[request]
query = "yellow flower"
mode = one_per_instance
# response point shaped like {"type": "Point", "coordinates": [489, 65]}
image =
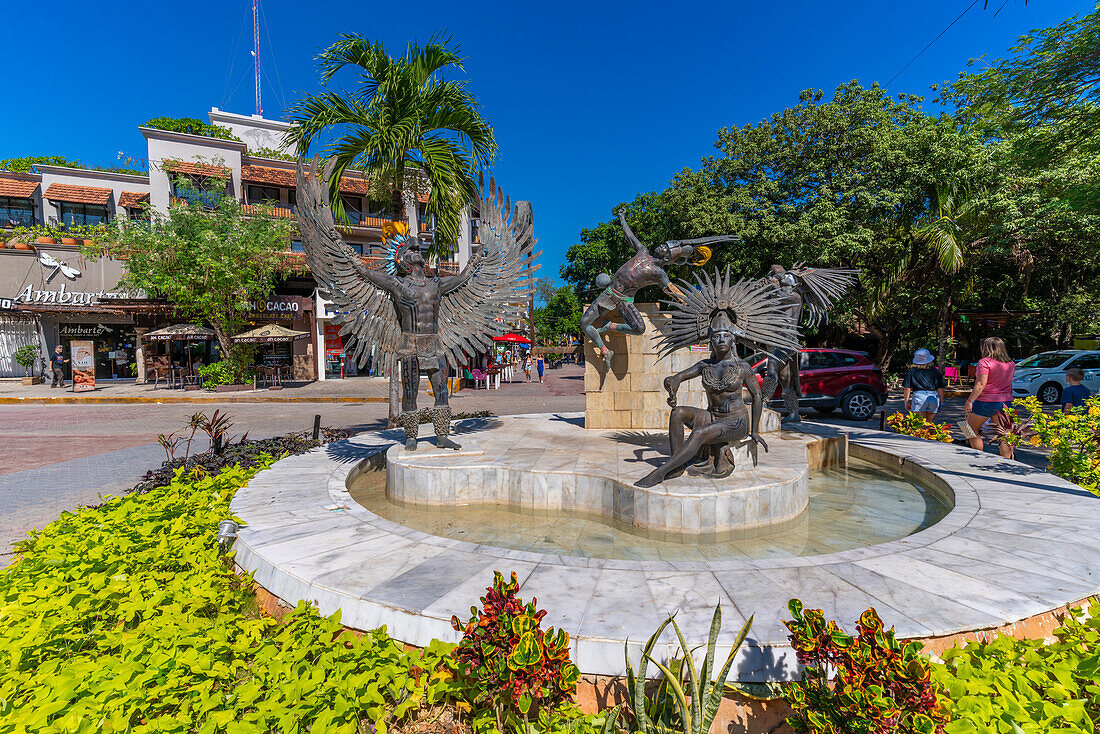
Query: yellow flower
{"type": "Point", "coordinates": [1094, 410]}
{"type": "Point", "coordinates": [1055, 441]}
{"type": "Point", "coordinates": [1035, 441]}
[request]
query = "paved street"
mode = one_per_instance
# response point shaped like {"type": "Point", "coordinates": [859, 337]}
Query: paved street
{"type": "Point", "coordinates": [58, 457]}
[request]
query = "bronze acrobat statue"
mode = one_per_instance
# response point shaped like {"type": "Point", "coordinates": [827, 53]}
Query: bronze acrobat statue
{"type": "Point", "coordinates": [727, 311]}
{"type": "Point", "coordinates": [803, 290]}
{"type": "Point", "coordinates": [642, 270]}
{"type": "Point", "coordinates": [426, 323]}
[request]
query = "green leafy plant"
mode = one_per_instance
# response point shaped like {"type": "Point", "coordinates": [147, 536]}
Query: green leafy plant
{"type": "Point", "coordinates": [914, 424]}
{"type": "Point", "coordinates": [125, 617]}
{"type": "Point", "coordinates": [191, 126]}
{"type": "Point", "coordinates": [881, 685]}
{"type": "Point", "coordinates": [696, 697]}
{"type": "Point", "coordinates": [1009, 686]}
{"type": "Point", "coordinates": [1073, 439]}
{"type": "Point", "coordinates": [508, 662]}
{"type": "Point", "coordinates": [27, 356]}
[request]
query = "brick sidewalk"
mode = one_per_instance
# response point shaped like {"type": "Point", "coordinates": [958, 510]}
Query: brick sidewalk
{"type": "Point", "coordinates": [58, 457]}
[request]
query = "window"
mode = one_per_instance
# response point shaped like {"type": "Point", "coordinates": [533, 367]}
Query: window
{"type": "Point", "coordinates": [292, 198]}
{"type": "Point", "coordinates": [82, 213]}
{"type": "Point", "coordinates": [356, 247]}
{"type": "Point", "coordinates": [847, 360]}
{"type": "Point", "coordinates": [475, 236]}
{"type": "Point", "coordinates": [296, 246]}
{"type": "Point", "coordinates": [1086, 362]}
{"type": "Point", "coordinates": [16, 212]}
{"type": "Point", "coordinates": [263, 195]}
{"type": "Point", "coordinates": [197, 190]}
{"type": "Point", "coordinates": [817, 361]}
{"type": "Point", "coordinates": [379, 209]}
{"type": "Point", "coordinates": [353, 207]}
{"type": "Point", "coordinates": [137, 214]}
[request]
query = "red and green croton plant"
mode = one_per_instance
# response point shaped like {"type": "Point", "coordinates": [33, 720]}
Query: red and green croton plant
{"type": "Point", "coordinates": [508, 661]}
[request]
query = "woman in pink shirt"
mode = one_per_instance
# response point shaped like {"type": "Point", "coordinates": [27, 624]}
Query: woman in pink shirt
{"type": "Point", "coordinates": [992, 391]}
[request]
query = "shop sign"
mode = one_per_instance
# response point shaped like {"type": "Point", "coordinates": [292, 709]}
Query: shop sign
{"type": "Point", "coordinates": [61, 295]}
{"type": "Point", "coordinates": [334, 343]}
{"type": "Point", "coordinates": [82, 354]}
{"type": "Point", "coordinates": [81, 331]}
{"type": "Point", "coordinates": [278, 307]}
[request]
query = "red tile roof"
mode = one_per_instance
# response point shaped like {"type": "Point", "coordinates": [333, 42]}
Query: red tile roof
{"type": "Point", "coordinates": [190, 168]}
{"type": "Point", "coordinates": [78, 194]}
{"type": "Point", "coordinates": [422, 198]}
{"type": "Point", "coordinates": [349, 185]}
{"type": "Point", "coordinates": [278, 211]}
{"type": "Point", "coordinates": [132, 200]}
{"type": "Point", "coordinates": [264, 174]}
{"type": "Point", "coordinates": [15, 187]}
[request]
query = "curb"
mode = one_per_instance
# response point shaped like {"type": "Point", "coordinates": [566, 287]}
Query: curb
{"type": "Point", "coordinates": [176, 399]}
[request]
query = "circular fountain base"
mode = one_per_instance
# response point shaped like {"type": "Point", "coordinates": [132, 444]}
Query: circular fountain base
{"type": "Point", "coordinates": [555, 464]}
{"type": "Point", "coordinates": [1007, 553]}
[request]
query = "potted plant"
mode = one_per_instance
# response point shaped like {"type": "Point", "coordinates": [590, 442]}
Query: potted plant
{"type": "Point", "coordinates": [46, 235]}
{"type": "Point", "coordinates": [27, 356]}
{"type": "Point", "coordinates": [72, 235]}
{"type": "Point", "coordinates": [19, 239]}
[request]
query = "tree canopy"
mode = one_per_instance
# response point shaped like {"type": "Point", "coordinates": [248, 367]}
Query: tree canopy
{"type": "Point", "coordinates": [943, 214]}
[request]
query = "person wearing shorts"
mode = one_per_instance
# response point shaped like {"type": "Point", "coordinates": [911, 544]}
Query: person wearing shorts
{"type": "Point", "coordinates": [992, 391]}
{"type": "Point", "coordinates": [924, 386]}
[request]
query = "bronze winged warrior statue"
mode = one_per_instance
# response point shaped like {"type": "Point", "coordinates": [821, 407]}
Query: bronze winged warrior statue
{"type": "Point", "coordinates": [636, 273]}
{"type": "Point", "coordinates": [721, 312]}
{"type": "Point", "coordinates": [428, 323]}
{"type": "Point", "coordinates": [808, 292]}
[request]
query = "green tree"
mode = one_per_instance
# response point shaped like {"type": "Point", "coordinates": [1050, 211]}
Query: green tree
{"type": "Point", "coordinates": [403, 119]}
{"type": "Point", "coordinates": [560, 318]}
{"type": "Point", "coordinates": [210, 264]}
{"type": "Point", "coordinates": [190, 126]}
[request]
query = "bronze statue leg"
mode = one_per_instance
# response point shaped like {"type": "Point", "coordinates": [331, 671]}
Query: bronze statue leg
{"type": "Point", "coordinates": [693, 418]}
{"type": "Point", "coordinates": [632, 318]}
{"type": "Point", "coordinates": [591, 314]}
{"type": "Point", "coordinates": [699, 439]}
{"type": "Point", "coordinates": [410, 416]}
{"type": "Point", "coordinates": [441, 412]}
{"type": "Point", "coordinates": [792, 390]}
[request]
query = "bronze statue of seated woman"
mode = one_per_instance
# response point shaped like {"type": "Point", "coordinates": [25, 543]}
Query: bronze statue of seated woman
{"type": "Point", "coordinates": [728, 312]}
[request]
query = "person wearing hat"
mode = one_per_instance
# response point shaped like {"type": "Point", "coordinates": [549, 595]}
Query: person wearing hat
{"type": "Point", "coordinates": [924, 385]}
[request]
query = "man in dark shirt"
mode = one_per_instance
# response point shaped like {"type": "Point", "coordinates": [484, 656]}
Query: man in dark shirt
{"type": "Point", "coordinates": [1075, 394]}
{"type": "Point", "coordinates": [924, 386]}
{"type": "Point", "coordinates": [57, 366]}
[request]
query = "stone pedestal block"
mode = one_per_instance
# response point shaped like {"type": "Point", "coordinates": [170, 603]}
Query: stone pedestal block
{"type": "Point", "coordinates": [632, 394]}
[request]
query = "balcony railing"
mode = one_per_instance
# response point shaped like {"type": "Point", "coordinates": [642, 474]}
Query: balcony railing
{"type": "Point", "coordinates": [204, 199]}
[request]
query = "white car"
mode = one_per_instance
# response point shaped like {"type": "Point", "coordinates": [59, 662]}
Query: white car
{"type": "Point", "coordinates": [1044, 374]}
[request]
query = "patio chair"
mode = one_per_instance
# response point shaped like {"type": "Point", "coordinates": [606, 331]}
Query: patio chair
{"type": "Point", "coordinates": [478, 375]}
{"type": "Point", "coordinates": [951, 374]}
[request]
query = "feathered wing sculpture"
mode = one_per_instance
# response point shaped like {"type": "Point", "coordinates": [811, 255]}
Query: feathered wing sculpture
{"type": "Point", "coordinates": [759, 317]}
{"type": "Point", "coordinates": [497, 280]}
{"type": "Point", "coordinates": [491, 291]}
{"type": "Point", "coordinates": [364, 311]}
{"type": "Point", "coordinates": [821, 288]}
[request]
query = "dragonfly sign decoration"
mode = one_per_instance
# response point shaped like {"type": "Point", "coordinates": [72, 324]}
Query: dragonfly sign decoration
{"type": "Point", "coordinates": [61, 266]}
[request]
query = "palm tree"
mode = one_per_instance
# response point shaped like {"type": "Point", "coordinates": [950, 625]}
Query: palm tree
{"type": "Point", "coordinates": [403, 120]}
{"type": "Point", "coordinates": [954, 228]}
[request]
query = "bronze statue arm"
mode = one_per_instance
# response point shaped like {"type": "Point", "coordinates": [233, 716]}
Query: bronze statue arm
{"type": "Point", "coordinates": [672, 382]}
{"type": "Point", "coordinates": [753, 386]}
{"type": "Point", "coordinates": [669, 287]}
{"type": "Point", "coordinates": [455, 282]}
{"type": "Point", "coordinates": [630, 237]}
{"type": "Point", "coordinates": [380, 278]}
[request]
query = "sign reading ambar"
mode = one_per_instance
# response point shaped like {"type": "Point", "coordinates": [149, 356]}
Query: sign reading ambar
{"type": "Point", "coordinates": [60, 295]}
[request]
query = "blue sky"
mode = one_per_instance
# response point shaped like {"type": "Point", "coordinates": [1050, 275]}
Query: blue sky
{"type": "Point", "coordinates": [592, 102]}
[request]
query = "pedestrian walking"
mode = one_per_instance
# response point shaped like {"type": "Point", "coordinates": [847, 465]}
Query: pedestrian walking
{"type": "Point", "coordinates": [540, 364]}
{"type": "Point", "coordinates": [992, 392]}
{"type": "Point", "coordinates": [527, 368]}
{"type": "Point", "coordinates": [924, 386]}
{"type": "Point", "coordinates": [57, 367]}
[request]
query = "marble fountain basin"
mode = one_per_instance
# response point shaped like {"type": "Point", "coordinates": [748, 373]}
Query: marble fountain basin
{"type": "Point", "coordinates": [1013, 544]}
{"type": "Point", "coordinates": [555, 464]}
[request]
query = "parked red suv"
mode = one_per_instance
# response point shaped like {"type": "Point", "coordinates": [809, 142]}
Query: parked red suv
{"type": "Point", "coordinates": [834, 378]}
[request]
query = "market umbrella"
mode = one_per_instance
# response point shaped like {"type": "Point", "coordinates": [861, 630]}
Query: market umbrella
{"type": "Point", "coordinates": [181, 333]}
{"type": "Point", "coordinates": [269, 334]}
{"type": "Point", "coordinates": [513, 338]}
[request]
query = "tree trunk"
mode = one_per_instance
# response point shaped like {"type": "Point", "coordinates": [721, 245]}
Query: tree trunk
{"type": "Point", "coordinates": [885, 347]}
{"type": "Point", "coordinates": [945, 326]}
{"type": "Point", "coordinates": [223, 339]}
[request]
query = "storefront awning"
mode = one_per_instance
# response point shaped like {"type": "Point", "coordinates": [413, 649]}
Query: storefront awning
{"type": "Point", "coordinates": [269, 334]}
{"type": "Point", "coordinates": [17, 188]}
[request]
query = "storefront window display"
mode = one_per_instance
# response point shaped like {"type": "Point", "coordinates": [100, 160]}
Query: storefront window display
{"type": "Point", "coordinates": [114, 347]}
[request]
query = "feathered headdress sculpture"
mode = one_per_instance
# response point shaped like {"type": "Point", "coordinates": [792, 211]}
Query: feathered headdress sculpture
{"type": "Point", "coordinates": [394, 249]}
{"type": "Point", "coordinates": [756, 315]}
{"type": "Point", "coordinates": [821, 288]}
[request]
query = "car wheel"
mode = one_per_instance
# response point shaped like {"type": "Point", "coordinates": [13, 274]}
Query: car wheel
{"type": "Point", "coordinates": [1049, 393]}
{"type": "Point", "coordinates": [825, 410]}
{"type": "Point", "coordinates": [858, 405]}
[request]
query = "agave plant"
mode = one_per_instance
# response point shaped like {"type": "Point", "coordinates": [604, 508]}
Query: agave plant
{"type": "Point", "coordinates": [687, 700]}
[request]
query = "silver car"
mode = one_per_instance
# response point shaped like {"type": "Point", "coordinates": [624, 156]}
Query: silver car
{"type": "Point", "coordinates": [1044, 374]}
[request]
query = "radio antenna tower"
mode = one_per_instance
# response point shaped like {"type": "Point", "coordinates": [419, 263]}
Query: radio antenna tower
{"type": "Point", "coordinates": [256, 50]}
